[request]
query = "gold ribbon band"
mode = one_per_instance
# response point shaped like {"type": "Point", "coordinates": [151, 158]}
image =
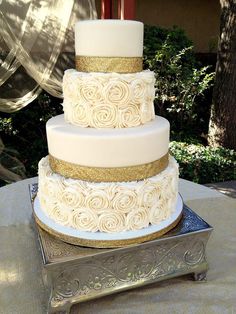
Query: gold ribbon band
{"type": "Point", "coordinates": [98, 174]}
{"type": "Point", "coordinates": [109, 64]}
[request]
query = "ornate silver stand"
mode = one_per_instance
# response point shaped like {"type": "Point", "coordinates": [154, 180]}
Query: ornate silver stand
{"type": "Point", "coordinates": [75, 274]}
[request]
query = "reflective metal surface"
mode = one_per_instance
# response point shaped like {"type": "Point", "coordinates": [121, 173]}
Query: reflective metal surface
{"type": "Point", "coordinates": [75, 274]}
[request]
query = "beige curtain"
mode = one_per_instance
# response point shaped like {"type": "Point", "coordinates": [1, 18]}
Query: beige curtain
{"type": "Point", "coordinates": [36, 46]}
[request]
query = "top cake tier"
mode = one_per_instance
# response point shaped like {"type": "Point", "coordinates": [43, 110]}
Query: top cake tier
{"type": "Point", "coordinates": [109, 38]}
{"type": "Point", "coordinates": [109, 46]}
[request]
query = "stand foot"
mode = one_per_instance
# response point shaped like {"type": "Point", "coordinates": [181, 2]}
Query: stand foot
{"type": "Point", "coordinates": [200, 276]}
{"type": "Point", "coordinates": [60, 310]}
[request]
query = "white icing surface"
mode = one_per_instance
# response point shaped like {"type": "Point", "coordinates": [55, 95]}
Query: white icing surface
{"type": "Point", "coordinates": [110, 38]}
{"type": "Point", "coordinates": [108, 147]}
{"type": "Point", "coordinates": [108, 207]}
{"type": "Point", "coordinates": [108, 100]}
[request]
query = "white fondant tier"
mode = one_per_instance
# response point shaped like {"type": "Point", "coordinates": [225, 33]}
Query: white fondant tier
{"type": "Point", "coordinates": [109, 38]}
{"type": "Point", "coordinates": [108, 207]}
{"type": "Point", "coordinates": [108, 147]}
{"type": "Point", "coordinates": [108, 100]}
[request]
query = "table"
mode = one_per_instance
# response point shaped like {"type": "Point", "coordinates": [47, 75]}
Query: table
{"type": "Point", "coordinates": [21, 286]}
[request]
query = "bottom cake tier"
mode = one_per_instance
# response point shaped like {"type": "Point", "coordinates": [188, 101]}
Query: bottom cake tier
{"type": "Point", "coordinates": [108, 206]}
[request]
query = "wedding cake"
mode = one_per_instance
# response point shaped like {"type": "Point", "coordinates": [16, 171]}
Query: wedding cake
{"type": "Point", "coordinates": [108, 168]}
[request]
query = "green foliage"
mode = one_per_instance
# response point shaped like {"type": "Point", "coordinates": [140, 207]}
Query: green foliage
{"type": "Point", "coordinates": [204, 164]}
{"type": "Point", "coordinates": [179, 80]}
{"type": "Point", "coordinates": [25, 131]}
{"type": "Point", "coordinates": [155, 36]}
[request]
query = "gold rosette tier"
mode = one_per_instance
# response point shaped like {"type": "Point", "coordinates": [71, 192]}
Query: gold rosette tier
{"type": "Point", "coordinates": [116, 174]}
{"type": "Point", "coordinates": [109, 64]}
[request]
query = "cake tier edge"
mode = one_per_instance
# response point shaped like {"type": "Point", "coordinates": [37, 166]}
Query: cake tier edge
{"type": "Point", "coordinates": [108, 147]}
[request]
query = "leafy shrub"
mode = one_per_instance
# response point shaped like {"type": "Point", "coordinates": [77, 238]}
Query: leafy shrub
{"type": "Point", "coordinates": [204, 164]}
{"type": "Point", "coordinates": [179, 80]}
{"type": "Point", "coordinates": [155, 36]}
{"type": "Point", "coordinates": [25, 131]}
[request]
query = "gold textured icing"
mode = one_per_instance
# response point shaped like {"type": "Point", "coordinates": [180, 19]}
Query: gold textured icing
{"type": "Point", "coordinates": [116, 174]}
{"type": "Point", "coordinates": [109, 64]}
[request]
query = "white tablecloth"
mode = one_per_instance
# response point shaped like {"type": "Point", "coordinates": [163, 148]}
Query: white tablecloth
{"type": "Point", "coordinates": [21, 286]}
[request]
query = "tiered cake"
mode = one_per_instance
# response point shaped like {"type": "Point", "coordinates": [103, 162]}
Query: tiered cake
{"type": "Point", "coordinates": [108, 168]}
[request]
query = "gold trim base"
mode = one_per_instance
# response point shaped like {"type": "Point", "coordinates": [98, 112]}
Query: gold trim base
{"type": "Point", "coordinates": [105, 243]}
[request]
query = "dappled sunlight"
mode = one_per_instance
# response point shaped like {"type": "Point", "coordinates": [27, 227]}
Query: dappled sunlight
{"type": "Point", "coordinates": [12, 276]}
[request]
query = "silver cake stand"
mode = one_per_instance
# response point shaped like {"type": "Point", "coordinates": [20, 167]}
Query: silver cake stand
{"type": "Point", "coordinates": [74, 274]}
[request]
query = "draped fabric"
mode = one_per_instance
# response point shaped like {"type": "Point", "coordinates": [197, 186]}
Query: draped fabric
{"type": "Point", "coordinates": [36, 46]}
